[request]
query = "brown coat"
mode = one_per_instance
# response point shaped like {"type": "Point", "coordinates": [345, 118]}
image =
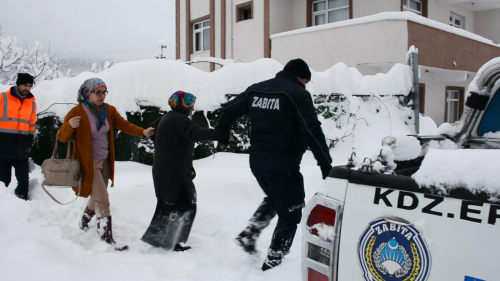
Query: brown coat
{"type": "Point", "coordinates": [82, 147]}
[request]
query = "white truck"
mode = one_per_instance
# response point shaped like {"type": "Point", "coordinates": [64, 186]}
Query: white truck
{"type": "Point", "coordinates": [364, 225]}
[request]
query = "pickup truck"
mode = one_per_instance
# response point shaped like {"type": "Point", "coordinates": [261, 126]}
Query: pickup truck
{"type": "Point", "coordinates": [383, 224]}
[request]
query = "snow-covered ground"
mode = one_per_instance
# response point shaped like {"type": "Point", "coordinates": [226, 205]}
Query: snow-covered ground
{"type": "Point", "coordinates": [41, 240]}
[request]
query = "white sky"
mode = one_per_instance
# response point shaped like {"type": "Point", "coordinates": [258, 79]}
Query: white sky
{"type": "Point", "coordinates": [92, 27]}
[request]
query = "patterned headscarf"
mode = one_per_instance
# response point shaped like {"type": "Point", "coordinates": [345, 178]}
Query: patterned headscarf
{"type": "Point", "coordinates": [88, 87]}
{"type": "Point", "coordinates": [182, 101]}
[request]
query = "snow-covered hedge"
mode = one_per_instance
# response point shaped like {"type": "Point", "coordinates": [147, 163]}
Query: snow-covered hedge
{"type": "Point", "coordinates": [140, 91]}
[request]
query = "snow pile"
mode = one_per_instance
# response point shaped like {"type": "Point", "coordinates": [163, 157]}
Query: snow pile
{"type": "Point", "coordinates": [325, 232]}
{"type": "Point", "coordinates": [406, 148]}
{"type": "Point", "coordinates": [447, 129]}
{"type": "Point", "coordinates": [473, 86]}
{"type": "Point", "coordinates": [476, 170]}
{"type": "Point", "coordinates": [153, 81]}
{"type": "Point", "coordinates": [495, 135]}
{"type": "Point", "coordinates": [348, 81]}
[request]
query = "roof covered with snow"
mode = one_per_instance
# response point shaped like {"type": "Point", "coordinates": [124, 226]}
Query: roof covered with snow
{"type": "Point", "coordinates": [390, 16]}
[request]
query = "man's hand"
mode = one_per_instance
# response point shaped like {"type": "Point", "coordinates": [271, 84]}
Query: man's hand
{"type": "Point", "coordinates": [149, 132]}
{"type": "Point", "coordinates": [231, 137]}
{"type": "Point", "coordinates": [75, 122]}
{"type": "Point", "coordinates": [325, 170]}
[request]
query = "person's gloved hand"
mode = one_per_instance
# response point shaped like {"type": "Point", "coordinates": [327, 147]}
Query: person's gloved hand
{"type": "Point", "coordinates": [325, 170]}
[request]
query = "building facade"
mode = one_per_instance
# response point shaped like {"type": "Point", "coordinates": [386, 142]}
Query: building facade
{"type": "Point", "coordinates": [454, 38]}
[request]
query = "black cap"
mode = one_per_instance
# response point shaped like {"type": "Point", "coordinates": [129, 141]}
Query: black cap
{"type": "Point", "coordinates": [299, 68]}
{"type": "Point", "coordinates": [24, 78]}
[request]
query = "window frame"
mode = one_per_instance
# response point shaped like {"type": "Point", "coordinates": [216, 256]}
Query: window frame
{"type": "Point", "coordinates": [454, 16]}
{"type": "Point", "coordinates": [461, 96]}
{"type": "Point", "coordinates": [200, 30]}
{"type": "Point", "coordinates": [406, 7]}
{"type": "Point", "coordinates": [327, 10]}
{"type": "Point", "coordinates": [449, 102]}
{"type": "Point", "coordinates": [242, 7]}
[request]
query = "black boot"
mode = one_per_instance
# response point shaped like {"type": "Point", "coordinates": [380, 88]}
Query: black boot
{"type": "Point", "coordinates": [260, 220]}
{"type": "Point", "coordinates": [179, 248]}
{"type": "Point", "coordinates": [272, 261]}
{"type": "Point", "coordinates": [86, 217]}
{"type": "Point", "coordinates": [21, 195]}
{"type": "Point", "coordinates": [280, 244]}
{"type": "Point", "coordinates": [247, 239]}
{"type": "Point", "coordinates": [105, 230]}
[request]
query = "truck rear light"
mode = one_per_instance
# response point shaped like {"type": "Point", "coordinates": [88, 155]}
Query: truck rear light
{"type": "Point", "coordinates": [318, 254]}
{"type": "Point", "coordinates": [321, 214]}
{"type": "Point", "coordinates": [313, 275]}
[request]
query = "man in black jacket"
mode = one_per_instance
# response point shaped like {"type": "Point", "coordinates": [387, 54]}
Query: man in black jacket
{"type": "Point", "coordinates": [284, 124]}
{"type": "Point", "coordinates": [17, 130]}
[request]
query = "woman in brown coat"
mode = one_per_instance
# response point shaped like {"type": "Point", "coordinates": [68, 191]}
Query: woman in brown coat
{"type": "Point", "coordinates": [91, 124]}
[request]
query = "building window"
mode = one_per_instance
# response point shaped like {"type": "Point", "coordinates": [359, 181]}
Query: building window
{"type": "Point", "coordinates": [413, 6]}
{"type": "Point", "coordinates": [201, 36]}
{"type": "Point", "coordinates": [452, 106]}
{"type": "Point", "coordinates": [457, 21]}
{"type": "Point", "coordinates": [329, 11]}
{"type": "Point", "coordinates": [244, 11]}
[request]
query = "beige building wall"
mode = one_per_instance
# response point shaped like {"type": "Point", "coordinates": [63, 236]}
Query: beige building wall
{"type": "Point", "coordinates": [435, 96]}
{"type": "Point", "coordinates": [323, 49]}
{"type": "Point", "coordinates": [487, 24]}
{"type": "Point", "coordinates": [281, 18]}
{"type": "Point", "coordinates": [441, 13]}
{"type": "Point", "coordinates": [363, 8]}
{"type": "Point", "coordinates": [299, 14]}
{"type": "Point", "coordinates": [199, 8]}
{"type": "Point", "coordinates": [248, 42]}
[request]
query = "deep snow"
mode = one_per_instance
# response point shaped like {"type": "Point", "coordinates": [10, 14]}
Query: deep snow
{"type": "Point", "coordinates": [42, 241]}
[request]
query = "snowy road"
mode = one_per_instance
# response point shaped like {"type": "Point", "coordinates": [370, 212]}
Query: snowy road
{"type": "Point", "coordinates": [41, 240]}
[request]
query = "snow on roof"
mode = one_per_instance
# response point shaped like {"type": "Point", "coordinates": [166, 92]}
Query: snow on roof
{"type": "Point", "coordinates": [473, 87]}
{"type": "Point", "coordinates": [473, 169]}
{"type": "Point", "coordinates": [390, 16]}
{"type": "Point", "coordinates": [152, 82]}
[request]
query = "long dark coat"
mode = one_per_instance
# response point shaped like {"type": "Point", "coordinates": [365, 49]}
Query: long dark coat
{"type": "Point", "coordinates": [174, 141]}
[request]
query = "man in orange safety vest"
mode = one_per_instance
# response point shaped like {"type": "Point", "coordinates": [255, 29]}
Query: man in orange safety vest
{"type": "Point", "coordinates": [17, 130]}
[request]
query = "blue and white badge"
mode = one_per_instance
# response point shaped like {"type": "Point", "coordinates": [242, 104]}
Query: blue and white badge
{"type": "Point", "coordinates": [392, 249]}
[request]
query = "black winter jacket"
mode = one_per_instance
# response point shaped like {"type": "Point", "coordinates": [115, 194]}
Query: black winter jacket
{"type": "Point", "coordinates": [16, 146]}
{"type": "Point", "coordinates": [174, 140]}
{"type": "Point", "coordinates": [283, 124]}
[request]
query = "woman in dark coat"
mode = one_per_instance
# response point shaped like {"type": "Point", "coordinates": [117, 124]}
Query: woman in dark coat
{"type": "Point", "coordinates": [173, 173]}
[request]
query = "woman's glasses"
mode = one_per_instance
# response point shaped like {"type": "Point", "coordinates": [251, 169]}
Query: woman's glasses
{"type": "Point", "coordinates": [99, 93]}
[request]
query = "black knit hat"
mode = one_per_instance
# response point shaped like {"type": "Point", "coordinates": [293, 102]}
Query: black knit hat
{"type": "Point", "coordinates": [299, 68]}
{"type": "Point", "coordinates": [24, 78]}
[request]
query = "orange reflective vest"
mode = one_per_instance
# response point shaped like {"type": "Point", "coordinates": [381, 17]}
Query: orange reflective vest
{"type": "Point", "coordinates": [16, 116]}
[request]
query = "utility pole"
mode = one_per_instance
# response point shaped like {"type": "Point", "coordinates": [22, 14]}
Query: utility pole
{"type": "Point", "coordinates": [413, 62]}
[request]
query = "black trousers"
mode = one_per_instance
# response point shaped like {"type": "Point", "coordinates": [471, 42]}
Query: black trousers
{"type": "Point", "coordinates": [285, 197]}
{"type": "Point", "coordinates": [171, 224]}
{"type": "Point", "coordinates": [21, 168]}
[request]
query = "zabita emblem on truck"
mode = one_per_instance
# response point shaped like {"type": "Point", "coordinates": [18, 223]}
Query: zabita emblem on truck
{"type": "Point", "coordinates": [392, 249]}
